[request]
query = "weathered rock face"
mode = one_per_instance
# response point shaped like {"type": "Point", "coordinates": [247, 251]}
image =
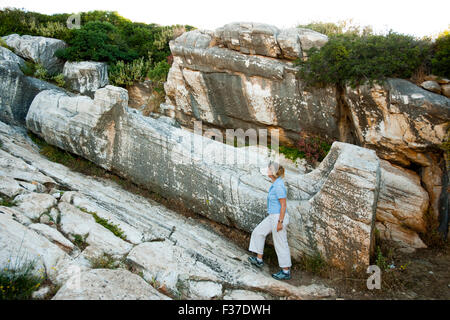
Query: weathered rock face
{"type": "Point", "coordinates": [242, 76]}
{"type": "Point", "coordinates": [38, 49]}
{"type": "Point", "coordinates": [17, 91]}
{"type": "Point", "coordinates": [400, 120]}
{"type": "Point", "coordinates": [332, 208]}
{"type": "Point", "coordinates": [155, 233]}
{"type": "Point", "coordinates": [104, 284]}
{"type": "Point", "coordinates": [405, 124]}
{"type": "Point", "coordinates": [8, 55]}
{"type": "Point", "coordinates": [86, 77]}
{"type": "Point", "coordinates": [144, 98]}
{"type": "Point", "coordinates": [432, 86]}
{"type": "Point", "coordinates": [401, 206]}
{"type": "Point", "coordinates": [231, 78]}
{"type": "Point", "coordinates": [267, 40]}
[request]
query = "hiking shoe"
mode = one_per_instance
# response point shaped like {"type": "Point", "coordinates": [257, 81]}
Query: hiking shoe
{"type": "Point", "coordinates": [280, 275]}
{"type": "Point", "coordinates": [255, 262]}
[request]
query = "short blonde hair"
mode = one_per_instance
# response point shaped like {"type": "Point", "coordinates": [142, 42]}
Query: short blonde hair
{"type": "Point", "coordinates": [277, 169]}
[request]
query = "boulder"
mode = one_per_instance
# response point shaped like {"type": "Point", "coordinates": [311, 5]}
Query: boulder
{"type": "Point", "coordinates": [405, 238]}
{"type": "Point", "coordinates": [100, 240]}
{"type": "Point", "coordinates": [53, 235]}
{"type": "Point", "coordinates": [402, 204]}
{"type": "Point", "coordinates": [104, 284]}
{"type": "Point", "coordinates": [445, 88]}
{"type": "Point", "coordinates": [21, 247]}
{"type": "Point", "coordinates": [222, 84]}
{"type": "Point", "coordinates": [8, 55]}
{"type": "Point", "coordinates": [266, 40]}
{"type": "Point", "coordinates": [9, 187]}
{"type": "Point", "coordinates": [17, 91]}
{"type": "Point", "coordinates": [432, 86]}
{"type": "Point", "coordinates": [34, 204]}
{"type": "Point", "coordinates": [97, 112]}
{"type": "Point", "coordinates": [332, 208]}
{"type": "Point", "coordinates": [249, 38]}
{"type": "Point", "coordinates": [38, 49]}
{"type": "Point", "coordinates": [85, 77]}
{"type": "Point", "coordinates": [406, 125]}
{"type": "Point", "coordinates": [399, 119]}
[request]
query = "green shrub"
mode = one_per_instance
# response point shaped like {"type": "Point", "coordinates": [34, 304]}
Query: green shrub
{"type": "Point", "coordinates": [125, 74]}
{"type": "Point", "coordinates": [349, 59]}
{"type": "Point", "coordinates": [80, 241]}
{"type": "Point", "coordinates": [41, 73]}
{"type": "Point", "coordinates": [159, 71]}
{"type": "Point", "coordinates": [7, 202]}
{"type": "Point", "coordinates": [104, 36]}
{"type": "Point", "coordinates": [4, 45]}
{"type": "Point", "coordinates": [96, 41]}
{"type": "Point", "coordinates": [105, 261]}
{"type": "Point", "coordinates": [381, 261]}
{"type": "Point", "coordinates": [22, 22]}
{"type": "Point", "coordinates": [18, 278]}
{"type": "Point", "coordinates": [340, 27]}
{"type": "Point", "coordinates": [313, 263]}
{"type": "Point", "coordinates": [28, 69]}
{"type": "Point", "coordinates": [441, 58]}
{"type": "Point", "coordinates": [291, 153]}
{"type": "Point", "coordinates": [59, 80]}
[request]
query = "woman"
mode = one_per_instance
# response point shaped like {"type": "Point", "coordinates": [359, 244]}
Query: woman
{"type": "Point", "coordinates": [276, 222]}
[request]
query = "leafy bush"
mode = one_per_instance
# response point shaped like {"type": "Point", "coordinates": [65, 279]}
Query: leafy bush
{"type": "Point", "coordinates": [132, 50]}
{"type": "Point", "coordinates": [340, 27]}
{"type": "Point", "coordinates": [7, 202]}
{"type": "Point", "coordinates": [125, 74]}
{"type": "Point", "coordinates": [80, 241]}
{"type": "Point", "coordinates": [32, 23]}
{"type": "Point", "coordinates": [18, 278]}
{"type": "Point", "coordinates": [96, 41]}
{"type": "Point", "coordinates": [441, 59]}
{"type": "Point", "coordinates": [291, 153]}
{"type": "Point", "coordinates": [349, 59]}
{"type": "Point", "coordinates": [4, 45]}
{"type": "Point", "coordinates": [59, 80]}
{"type": "Point", "coordinates": [105, 261]}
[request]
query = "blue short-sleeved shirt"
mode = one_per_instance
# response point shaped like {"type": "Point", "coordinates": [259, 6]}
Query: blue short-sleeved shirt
{"type": "Point", "coordinates": [276, 191]}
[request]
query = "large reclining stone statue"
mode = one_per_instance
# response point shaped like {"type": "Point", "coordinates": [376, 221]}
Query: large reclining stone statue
{"type": "Point", "coordinates": [332, 208]}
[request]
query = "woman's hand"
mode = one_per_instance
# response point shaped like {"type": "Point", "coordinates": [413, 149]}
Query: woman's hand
{"type": "Point", "coordinates": [279, 226]}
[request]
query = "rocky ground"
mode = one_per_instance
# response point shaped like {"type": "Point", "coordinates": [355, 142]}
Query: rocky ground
{"type": "Point", "coordinates": [65, 221]}
{"type": "Point", "coordinates": [123, 238]}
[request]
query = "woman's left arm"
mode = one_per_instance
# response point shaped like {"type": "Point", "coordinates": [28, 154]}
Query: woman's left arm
{"type": "Point", "coordinates": [282, 212]}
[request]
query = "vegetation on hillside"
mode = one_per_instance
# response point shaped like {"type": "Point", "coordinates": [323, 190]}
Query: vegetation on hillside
{"type": "Point", "coordinates": [354, 54]}
{"type": "Point", "coordinates": [134, 51]}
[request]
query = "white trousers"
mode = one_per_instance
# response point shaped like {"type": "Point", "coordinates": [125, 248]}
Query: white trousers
{"type": "Point", "coordinates": [268, 225]}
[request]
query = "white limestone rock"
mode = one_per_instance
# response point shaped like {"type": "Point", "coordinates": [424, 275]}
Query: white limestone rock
{"type": "Point", "coordinates": [105, 284]}
{"type": "Point", "coordinates": [20, 246]}
{"type": "Point", "coordinates": [53, 235]}
{"type": "Point", "coordinates": [38, 49]}
{"type": "Point", "coordinates": [403, 202]}
{"type": "Point", "coordinates": [191, 241]}
{"type": "Point", "coordinates": [8, 55]}
{"type": "Point", "coordinates": [10, 187]}
{"type": "Point", "coordinates": [86, 77]}
{"type": "Point", "coordinates": [33, 205]}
